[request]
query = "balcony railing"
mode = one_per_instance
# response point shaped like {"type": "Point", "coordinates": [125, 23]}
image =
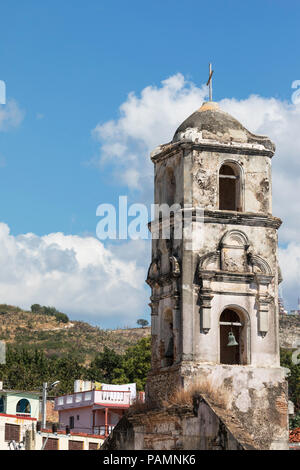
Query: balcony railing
{"type": "Point", "coordinates": [23, 415]}
{"type": "Point", "coordinates": [100, 397]}
{"type": "Point", "coordinates": [103, 430]}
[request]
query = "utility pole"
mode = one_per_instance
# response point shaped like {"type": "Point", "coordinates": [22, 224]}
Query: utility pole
{"type": "Point", "coordinates": [44, 401]}
{"type": "Point", "coordinates": [44, 405]}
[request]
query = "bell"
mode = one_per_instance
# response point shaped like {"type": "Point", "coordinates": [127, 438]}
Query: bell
{"type": "Point", "coordinates": [231, 340]}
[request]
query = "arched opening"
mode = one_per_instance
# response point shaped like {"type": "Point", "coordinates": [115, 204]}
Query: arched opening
{"type": "Point", "coordinates": [170, 186]}
{"type": "Point", "coordinates": [2, 404]}
{"type": "Point", "coordinates": [230, 187]}
{"type": "Point", "coordinates": [168, 334]}
{"type": "Point", "coordinates": [23, 406]}
{"type": "Point", "coordinates": [233, 337]}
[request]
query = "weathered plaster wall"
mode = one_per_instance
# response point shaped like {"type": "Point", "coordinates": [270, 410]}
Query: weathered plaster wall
{"type": "Point", "coordinates": [289, 331]}
{"type": "Point", "coordinates": [255, 171]}
{"type": "Point", "coordinates": [256, 397]}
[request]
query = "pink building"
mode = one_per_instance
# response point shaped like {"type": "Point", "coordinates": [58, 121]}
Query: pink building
{"type": "Point", "coordinates": [92, 411]}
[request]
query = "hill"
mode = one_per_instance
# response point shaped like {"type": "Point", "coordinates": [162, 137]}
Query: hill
{"type": "Point", "coordinates": [24, 329]}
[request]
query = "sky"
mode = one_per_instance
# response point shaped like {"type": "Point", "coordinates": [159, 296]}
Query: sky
{"type": "Point", "coordinates": [92, 88]}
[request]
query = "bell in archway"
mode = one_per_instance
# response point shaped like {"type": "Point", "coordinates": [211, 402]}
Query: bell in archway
{"type": "Point", "coordinates": [231, 340]}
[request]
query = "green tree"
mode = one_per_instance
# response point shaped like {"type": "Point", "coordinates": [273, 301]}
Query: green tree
{"type": "Point", "coordinates": [103, 366]}
{"type": "Point", "coordinates": [61, 317]}
{"type": "Point", "coordinates": [294, 377]}
{"type": "Point", "coordinates": [141, 322]}
{"type": "Point", "coordinates": [36, 308]}
{"type": "Point", "coordinates": [136, 364]}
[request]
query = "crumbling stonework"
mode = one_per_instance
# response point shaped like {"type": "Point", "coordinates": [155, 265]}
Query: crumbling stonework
{"type": "Point", "coordinates": [201, 426]}
{"type": "Point", "coordinates": [256, 397]}
{"type": "Point", "coordinates": [289, 331]}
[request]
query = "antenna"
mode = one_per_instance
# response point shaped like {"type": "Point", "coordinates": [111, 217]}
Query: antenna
{"type": "Point", "coordinates": [209, 82]}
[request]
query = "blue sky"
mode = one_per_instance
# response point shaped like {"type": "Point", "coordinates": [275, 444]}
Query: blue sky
{"type": "Point", "coordinates": [70, 65]}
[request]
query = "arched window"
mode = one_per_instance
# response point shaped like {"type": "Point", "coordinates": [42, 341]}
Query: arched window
{"type": "Point", "coordinates": [230, 187]}
{"type": "Point", "coordinates": [234, 337]}
{"type": "Point", "coordinates": [1, 404]}
{"type": "Point", "coordinates": [170, 186]}
{"type": "Point", "coordinates": [23, 406]}
{"type": "Point", "coordinates": [168, 336]}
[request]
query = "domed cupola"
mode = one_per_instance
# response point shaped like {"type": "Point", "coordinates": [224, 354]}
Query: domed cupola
{"type": "Point", "coordinates": [210, 123]}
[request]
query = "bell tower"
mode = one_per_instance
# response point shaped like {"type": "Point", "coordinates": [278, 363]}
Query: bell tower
{"type": "Point", "coordinates": [214, 280]}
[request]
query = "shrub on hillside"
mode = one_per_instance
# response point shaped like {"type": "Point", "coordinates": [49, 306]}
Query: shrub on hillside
{"type": "Point", "coordinates": [51, 311]}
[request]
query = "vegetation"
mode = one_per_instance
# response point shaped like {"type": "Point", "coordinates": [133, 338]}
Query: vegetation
{"type": "Point", "coordinates": [39, 309]}
{"type": "Point", "coordinates": [27, 370]}
{"type": "Point", "coordinates": [80, 340]}
{"type": "Point", "coordinates": [132, 367]}
{"type": "Point", "coordinates": [295, 421]}
{"type": "Point", "coordinates": [41, 347]}
{"type": "Point", "coordinates": [294, 385]}
{"type": "Point", "coordinates": [141, 322]}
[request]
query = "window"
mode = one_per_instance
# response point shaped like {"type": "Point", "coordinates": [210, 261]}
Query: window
{"type": "Point", "coordinates": [230, 187]}
{"type": "Point", "coordinates": [168, 334]}
{"type": "Point", "coordinates": [170, 186]}
{"type": "Point", "coordinates": [2, 404]}
{"type": "Point", "coordinates": [51, 444]}
{"type": "Point", "coordinates": [12, 432]}
{"type": "Point", "coordinates": [23, 407]}
{"type": "Point", "coordinates": [75, 445]}
{"type": "Point", "coordinates": [234, 336]}
{"type": "Point", "coordinates": [93, 446]}
{"type": "Point", "coordinates": [71, 422]}
{"type": "Point", "coordinates": [229, 322]}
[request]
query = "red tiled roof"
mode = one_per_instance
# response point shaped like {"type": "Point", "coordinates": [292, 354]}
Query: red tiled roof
{"type": "Point", "coordinates": [295, 435]}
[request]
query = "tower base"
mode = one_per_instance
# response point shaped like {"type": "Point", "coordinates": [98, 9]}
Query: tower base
{"type": "Point", "coordinates": [257, 397]}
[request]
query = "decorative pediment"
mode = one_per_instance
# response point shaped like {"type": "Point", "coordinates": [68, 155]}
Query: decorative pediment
{"type": "Point", "coordinates": [153, 272]}
{"type": "Point", "coordinates": [233, 246]}
{"type": "Point", "coordinates": [156, 274]}
{"type": "Point", "coordinates": [234, 238]}
{"type": "Point", "coordinates": [174, 266]}
{"type": "Point", "coordinates": [234, 256]}
{"type": "Point", "coordinates": [210, 261]}
{"type": "Point", "coordinates": [259, 265]}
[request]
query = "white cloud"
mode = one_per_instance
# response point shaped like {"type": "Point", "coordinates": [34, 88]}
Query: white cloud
{"type": "Point", "coordinates": [145, 121]}
{"type": "Point", "coordinates": [77, 275]}
{"type": "Point", "coordinates": [290, 262]}
{"type": "Point", "coordinates": [11, 115]}
{"type": "Point", "coordinates": [151, 119]}
{"type": "Point", "coordinates": [280, 121]}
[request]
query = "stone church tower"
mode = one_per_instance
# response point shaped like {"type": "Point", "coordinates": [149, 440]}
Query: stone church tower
{"type": "Point", "coordinates": [214, 298]}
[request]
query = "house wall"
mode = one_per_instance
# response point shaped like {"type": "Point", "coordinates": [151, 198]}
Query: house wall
{"type": "Point", "coordinates": [85, 422]}
{"type": "Point", "coordinates": [11, 400]}
{"type": "Point", "coordinates": [64, 440]}
{"type": "Point", "coordinates": [25, 424]}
